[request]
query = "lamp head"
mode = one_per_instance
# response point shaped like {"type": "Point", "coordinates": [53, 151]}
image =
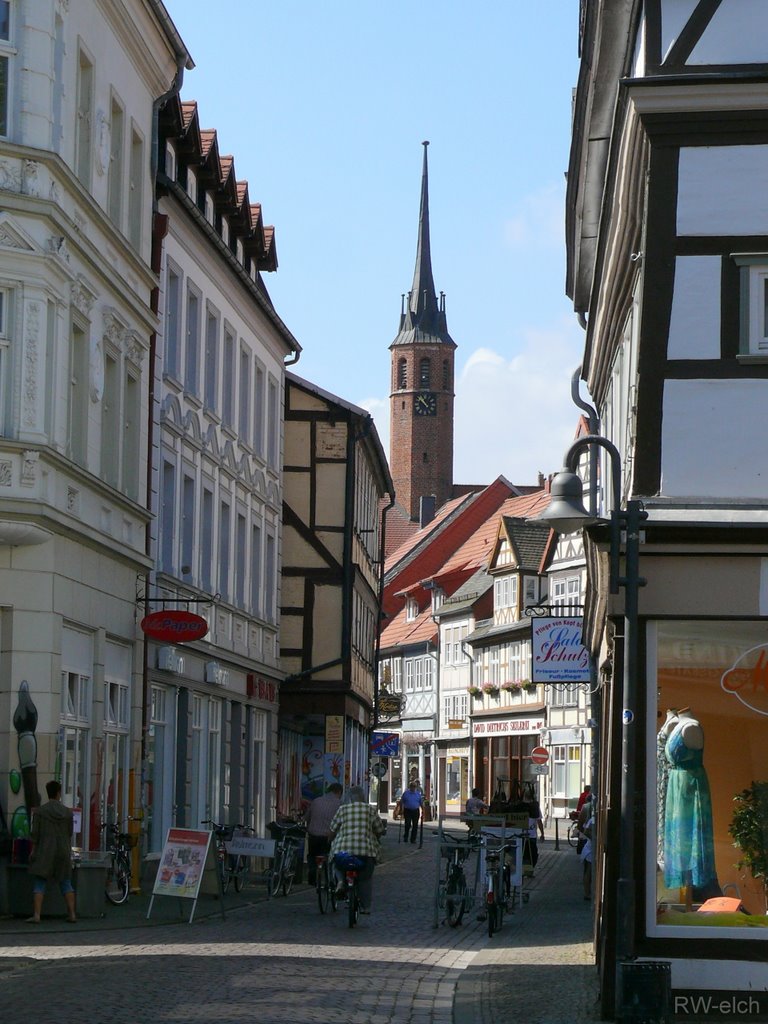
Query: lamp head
{"type": "Point", "coordinates": [565, 512]}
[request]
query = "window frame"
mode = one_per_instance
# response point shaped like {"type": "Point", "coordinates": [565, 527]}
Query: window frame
{"type": "Point", "coordinates": [753, 306]}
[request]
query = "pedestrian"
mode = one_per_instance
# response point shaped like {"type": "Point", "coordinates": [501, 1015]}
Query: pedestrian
{"type": "Point", "coordinates": [583, 817]}
{"type": "Point", "coordinates": [412, 803]}
{"type": "Point", "coordinates": [51, 856]}
{"type": "Point", "coordinates": [586, 852]}
{"type": "Point", "coordinates": [318, 818]}
{"type": "Point", "coordinates": [585, 795]}
{"type": "Point", "coordinates": [476, 804]}
{"type": "Point", "coordinates": [356, 829]}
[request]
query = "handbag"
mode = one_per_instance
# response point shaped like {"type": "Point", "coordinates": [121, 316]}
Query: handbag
{"type": "Point", "coordinates": [398, 811]}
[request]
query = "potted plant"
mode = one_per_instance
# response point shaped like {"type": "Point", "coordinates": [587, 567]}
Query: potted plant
{"type": "Point", "coordinates": [492, 689]}
{"type": "Point", "coordinates": [749, 831]}
{"type": "Point", "coordinates": [512, 686]}
{"type": "Point", "coordinates": [528, 685]}
{"type": "Point", "coordinates": [474, 691]}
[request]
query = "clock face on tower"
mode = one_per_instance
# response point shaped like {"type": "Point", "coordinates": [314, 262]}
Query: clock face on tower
{"type": "Point", "coordinates": [425, 403]}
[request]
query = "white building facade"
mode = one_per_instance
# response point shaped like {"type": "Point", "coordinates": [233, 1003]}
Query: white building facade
{"type": "Point", "coordinates": [78, 88]}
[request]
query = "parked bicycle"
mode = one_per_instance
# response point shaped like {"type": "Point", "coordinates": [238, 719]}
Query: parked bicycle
{"type": "Point", "coordinates": [231, 867]}
{"type": "Point", "coordinates": [325, 883]}
{"type": "Point", "coordinates": [496, 886]}
{"type": "Point", "coordinates": [119, 846]}
{"type": "Point", "coordinates": [455, 894]}
{"type": "Point", "coordinates": [350, 865]}
{"type": "Point", "coordinates": [286, 860]}
{"type": "Point", "coordinates": [572, 835]}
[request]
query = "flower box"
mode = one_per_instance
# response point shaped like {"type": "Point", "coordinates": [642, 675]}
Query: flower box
{"type": "Point", "coordinates": [491, 689]}
{"type": "Point", "coordinates": [474, 691]}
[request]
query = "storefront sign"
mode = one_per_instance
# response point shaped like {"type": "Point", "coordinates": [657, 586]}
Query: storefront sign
{"type": "Point", "coordinates": [507, 726]}
{"type": "Point", "coordinates": [334, 734]}
{"type": "Point", "coordinates": [558, 654]}
{"type": "Point", "coordinates": [172, 626]}
{"type": "Point", "coordinates": [456, 723]}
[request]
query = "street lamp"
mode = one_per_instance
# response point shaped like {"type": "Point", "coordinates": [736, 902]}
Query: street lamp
{"type": "Point", "coordinates": [566, 514]}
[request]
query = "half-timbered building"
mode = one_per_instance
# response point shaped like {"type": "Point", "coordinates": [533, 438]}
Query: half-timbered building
{"type": "Point", "coordinates": [336, 484]}
{"type": "Point", "coordinates": [667, 239]}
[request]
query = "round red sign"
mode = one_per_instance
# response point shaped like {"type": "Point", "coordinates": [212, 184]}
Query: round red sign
{"type": "Point", "coordinates": [539, 755]}
{"type": "Point", "coordinates": [173, 626]}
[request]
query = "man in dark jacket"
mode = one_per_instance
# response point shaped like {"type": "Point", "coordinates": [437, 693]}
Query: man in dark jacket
{"type": "Point", "coordinates": [52, 851]}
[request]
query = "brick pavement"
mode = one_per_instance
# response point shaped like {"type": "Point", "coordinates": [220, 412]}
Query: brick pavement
{"type": "Point", "coordinates": [285, 959]}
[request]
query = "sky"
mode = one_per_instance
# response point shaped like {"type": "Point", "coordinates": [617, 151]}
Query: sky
{"type": "Point", "coordinates": [324, 105]}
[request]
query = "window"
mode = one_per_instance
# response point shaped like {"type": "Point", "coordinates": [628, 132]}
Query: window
{"type": "Point", "coordinates": [135, 189]}
{"type": "Point", "coordinates": [131, 427]}
{"type": "Point", "coordinates": [75, 725]}
{"type": "Point", "coordinates": [425, 373]}
{"type": "Point", "coordinates": [84, 125]}
{"type": "Point", "coordinates": [241, 564]}
{"type": "Point", "coordinates": [563, 695]}
{"type": "Point", "coordinates": [411, 609]}
{"type": "Point", "coordinates": [228, 379]}
{"type": "Point", "coordinates": [117, 720]}
{"type": "Point", "coordinates": [270, 578]}
{"type": "Point", "coordinates": [160, 767]}
{"type": "Point", "coordinates": [206, 540]}
{"type": "Point", "coordinates": [210, 213]}
{"type": "Point", "coordinates": [446, 375]}
{"type": "Point", "coordinates": [110, 418]}
{"type": "Point", "coordinates": [244, 404]}
{"type": "Point", "coordinates": [115, 171]}
{"type": "Point", "coordinates": [505, 592]}
{"type": "Point", "coordinates": [258, 410]}
{"type": "Point", "coordinates": [172, 320]}
{"type": "Point", "coordinates": [5, 337]}
{"type": "Point", "coordinates": [256, 569]}
{"type": "Point", "coordinates": [192, 353]}
{"type": "Point", "coordinates": [224, 530]}
{"type": "Point", "coordinates": [78, 394]}
{"type": "Point", "coordinates": [402, 374]}
{"type": "Point", "coordinates": [409, 676]}
{"type": "Point", "coordinates": [187, 525]}
{"type": "Point", "coordinates": [753, 290]}
{"type": "Point", "coordinates": [273, 423]}
{"type": "Point", "coordinates": [167, 533]}
{"type": "Point", "coordinates": [191, 185]}
{"type": "Point", "coordinates": [170, 161]}
{"type": "Point", "coordinates": [211, 358]}
{"type": "Point", "coordinates": [5, 64]}
{"type": "Point", "coordinates": [566, 594]}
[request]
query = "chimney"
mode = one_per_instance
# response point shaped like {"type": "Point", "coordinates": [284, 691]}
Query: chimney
{"type": "Point", "coordinates": [426, 510]}
{"type": "Point", "coordinates": [541, 479]}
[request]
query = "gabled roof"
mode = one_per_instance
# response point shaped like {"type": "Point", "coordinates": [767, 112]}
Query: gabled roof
{"type": "Point", "coordinates": [530, 541]}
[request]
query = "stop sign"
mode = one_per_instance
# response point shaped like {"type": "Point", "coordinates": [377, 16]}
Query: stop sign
{"type": "Point", "coordinates": [539, 755]}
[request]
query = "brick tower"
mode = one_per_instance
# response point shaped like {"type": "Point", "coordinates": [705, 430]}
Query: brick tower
{"type": "Point", "coordinates": [421, 389]}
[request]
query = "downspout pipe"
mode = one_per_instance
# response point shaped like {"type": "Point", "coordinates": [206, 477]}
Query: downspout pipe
{"type": "Point", "coordinates": [594, 428]}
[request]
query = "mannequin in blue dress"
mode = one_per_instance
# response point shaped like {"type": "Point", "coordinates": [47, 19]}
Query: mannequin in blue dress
{"type": "Point", "coordinates": [689, 850]}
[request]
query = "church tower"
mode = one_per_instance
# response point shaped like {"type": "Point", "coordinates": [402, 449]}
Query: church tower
{"type": "Point", "coordinates": [421, 389]}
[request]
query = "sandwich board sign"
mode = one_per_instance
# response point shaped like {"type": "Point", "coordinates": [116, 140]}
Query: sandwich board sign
{"type": "Point", "coordinates": [188, 862]}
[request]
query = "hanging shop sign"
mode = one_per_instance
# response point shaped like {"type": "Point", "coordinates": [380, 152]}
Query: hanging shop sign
{"type": "Point", "coordinates": [173, 626]}
{"type": "Point", "coordinates": [557, 652]}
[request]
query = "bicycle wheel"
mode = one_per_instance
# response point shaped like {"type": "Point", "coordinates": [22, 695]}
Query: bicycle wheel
{"type": "Point", "coordinates": [276, 876]}
{"type": "Point", "coordinates": [323, 888]}
{"type": "Point", "coordinates": [118, 881]}
{"type": "Point", "coordinates": [492, 910]}
{"type": "Point", "coordinates": [353, 904]}
{"type": "Point", "coordinates": [289, 869]}
{"type": "Point", "coordinates": [573, 834]}
{"type": "Point", "coordinates": [455, 898]}
{"type": "Point", "coordinates": [239, 870]}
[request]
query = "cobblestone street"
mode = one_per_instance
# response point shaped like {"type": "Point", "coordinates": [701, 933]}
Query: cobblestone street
{"type": "Point", "coordinates": [282, 960]}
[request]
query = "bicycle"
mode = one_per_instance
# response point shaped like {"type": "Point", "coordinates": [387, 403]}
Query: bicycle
{"type": "Point", "coordinates": [286, 858]}
{"type": "Point", "coordinates": [231, 867]}
{"type": "Point", "coordinates": [350, 865]}
{"type": "Point", "coordinates": [572, 834]}
{"type": "Point", "coordinates": [325, 884]}
{"type": "Point", "coordinates": [496, 885]}
{"type": "Point", "coordinates": [119, 846]}
{"type": "Point", "coordinates": [454, 891]}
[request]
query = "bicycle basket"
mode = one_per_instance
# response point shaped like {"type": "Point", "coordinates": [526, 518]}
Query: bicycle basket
{"type": "Point", "coordinates": [348, 861]}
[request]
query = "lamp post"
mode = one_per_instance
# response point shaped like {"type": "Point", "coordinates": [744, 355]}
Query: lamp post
{"type": "Point", "coordinates": [566, 514]}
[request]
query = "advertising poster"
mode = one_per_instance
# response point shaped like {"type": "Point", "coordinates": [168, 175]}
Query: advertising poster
{"type": "Point", "coordinates": [182, 863]}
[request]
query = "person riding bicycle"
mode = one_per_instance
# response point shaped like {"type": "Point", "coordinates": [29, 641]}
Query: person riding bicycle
{"type": "Point", "coordinates": [356, 829]}
{"type": "Point", "coordinates": [319, 816]}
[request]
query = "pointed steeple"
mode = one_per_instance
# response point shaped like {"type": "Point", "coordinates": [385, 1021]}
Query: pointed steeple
{"type": "Point", "coordinates": [423, 318]}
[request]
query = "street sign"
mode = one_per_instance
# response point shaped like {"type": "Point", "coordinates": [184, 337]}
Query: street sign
{"type": "Point", "coordinates": [541, 769]}
{"type": "Point", "coordinates": [539, 755]}
{"type": "Point", "coordinates": [385, 744]}
{"type": "Point", "coordinates": [380, 769]}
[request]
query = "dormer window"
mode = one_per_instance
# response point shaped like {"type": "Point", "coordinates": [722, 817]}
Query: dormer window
{"type": "Point", "coordinates": [411, 610]}
{"type": "Point", "coordinates": [225, 230]}
{"type": "Point", "coordinates": [170, 161]}
{"type": "Point", "coordinates": [239, 252]}
{"type": "Point", "coordinates": [210, 213]}
{"type": "Point", "coordinates": [438, 596]}
{"type": "Point", "coordinates": [505, 592]}
{"type": "Point", "coordinates": [191, 185]}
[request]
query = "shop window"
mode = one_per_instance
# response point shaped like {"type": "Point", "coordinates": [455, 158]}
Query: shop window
{"type": "Point", "coordinates": [707, 737]}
